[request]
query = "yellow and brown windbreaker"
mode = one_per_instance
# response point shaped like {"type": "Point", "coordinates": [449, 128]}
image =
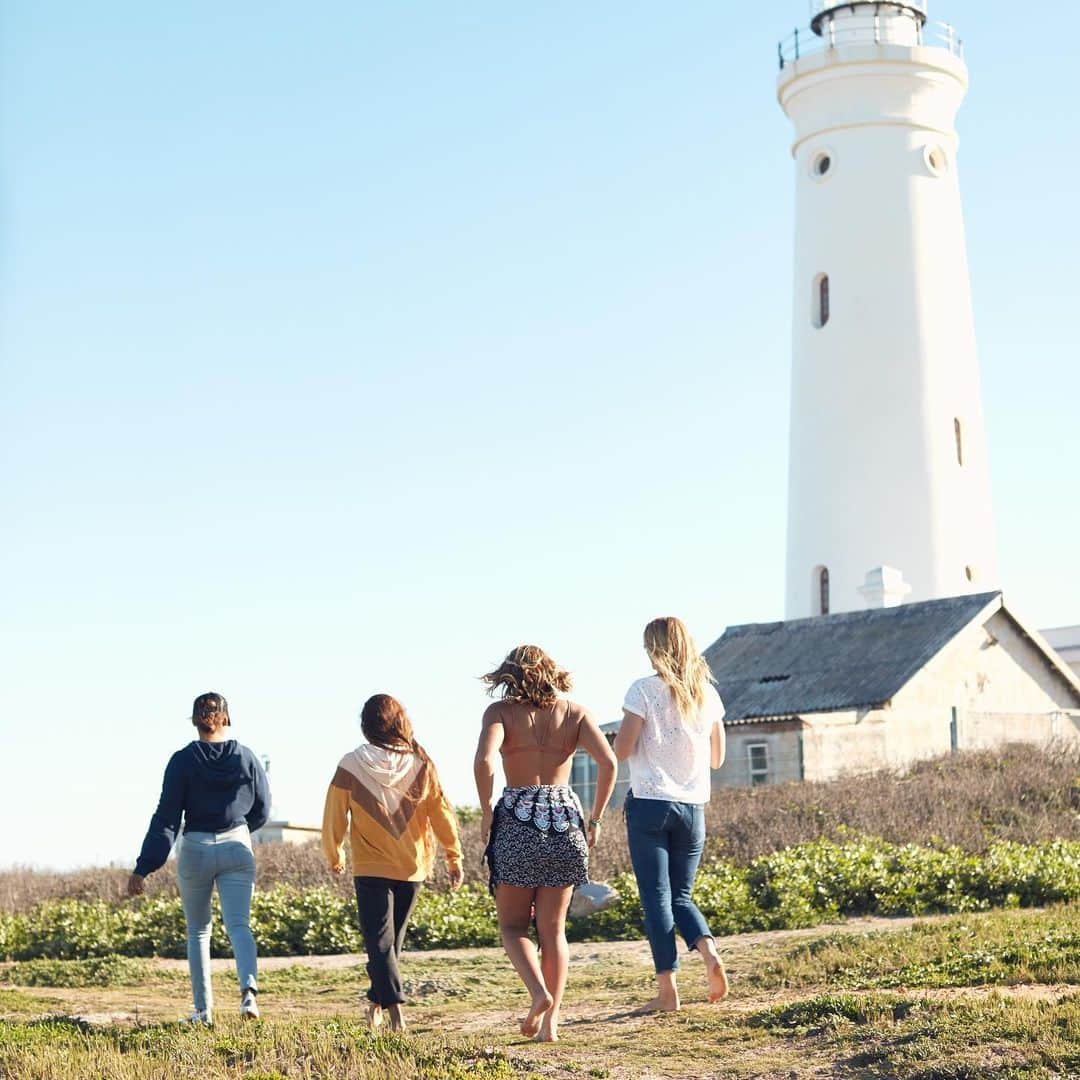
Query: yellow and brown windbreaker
{"type": "Point", "coordinates": [393, 807]}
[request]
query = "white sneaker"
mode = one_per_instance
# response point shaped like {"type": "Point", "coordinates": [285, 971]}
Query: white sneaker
{"type": "Point", "coordinates": [199, 1018]}
{"type": "Point", "coordinates": [249, 1007]}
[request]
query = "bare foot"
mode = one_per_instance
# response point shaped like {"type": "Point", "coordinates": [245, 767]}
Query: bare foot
{"type": "Point", "coordinates": [531, 1024]}
{"type": "Point", "coordinates": [549, 1029]}
{"type": "Point", "coordinates": [374, 1015]}
{"type": "Point", "coordinates": [397, 1020]}
{"type": "Point", "coordinates": [717, 976]}
{"type": "Point", "coordinates": [658, 1004]}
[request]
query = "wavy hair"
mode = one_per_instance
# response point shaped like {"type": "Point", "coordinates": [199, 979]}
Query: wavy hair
{"type": "Point", "coordinates": [678, 662]}
{"type": "Point", "coordinates": [529, 675]}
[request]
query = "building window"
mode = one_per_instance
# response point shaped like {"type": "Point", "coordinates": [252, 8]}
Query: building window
{"type": "Point", "coordinates": [583, 778]}
{"type": "Point", "coordinates": [757, 757]}
{"type": "Point", "coordinates": [819, 301]}
{"type": "Point", "coordinates": [822, 598]}
{"type": "Point", "coordinates": [958, 432]}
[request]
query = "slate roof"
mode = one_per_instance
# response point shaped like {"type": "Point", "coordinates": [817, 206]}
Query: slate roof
{"type": "Point", "coordinates": [856, 659]}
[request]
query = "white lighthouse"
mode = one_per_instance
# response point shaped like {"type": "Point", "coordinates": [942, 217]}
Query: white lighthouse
{"type": "Point", "coordinates": [889, 486]}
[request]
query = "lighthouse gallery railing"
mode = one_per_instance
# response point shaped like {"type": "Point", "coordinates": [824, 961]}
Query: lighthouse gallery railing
{"type": "Point", "coordinates": [803, 42]}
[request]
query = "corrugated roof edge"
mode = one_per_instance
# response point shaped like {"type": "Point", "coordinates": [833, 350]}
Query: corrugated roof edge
{"type": "Point", "coordinates": [853, 616]}
{"type": "Point", "coordinates": [780, 719]}
{"type": "Point", "coordinates": [976, 603]}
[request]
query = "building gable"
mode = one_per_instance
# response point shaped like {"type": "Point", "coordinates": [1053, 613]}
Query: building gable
{"type": "Point", "coordinates": [994, 665]}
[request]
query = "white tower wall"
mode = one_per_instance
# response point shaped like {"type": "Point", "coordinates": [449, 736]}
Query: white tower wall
{"type": "Point", "coordinates": [878, 390]}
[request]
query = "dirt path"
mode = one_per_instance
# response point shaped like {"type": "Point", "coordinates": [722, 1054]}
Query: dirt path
{"type": "Point", "coordinates": [581, 952]}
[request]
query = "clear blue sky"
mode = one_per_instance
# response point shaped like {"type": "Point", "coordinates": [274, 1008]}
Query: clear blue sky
{"type": "Point", "coordinates": [345, 346]}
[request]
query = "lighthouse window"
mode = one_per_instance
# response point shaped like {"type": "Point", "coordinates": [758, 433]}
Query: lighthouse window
{"type": "Point", "coordinates": [820, 164]}
{"type": "Point", "coordinates": [937, 163]}
{"type": "Point", "coordinates": [823, 591]}
{"type": "Point", "coordinates": [958, 432]}
{"type": "Point", "coordinates": [819, 301]}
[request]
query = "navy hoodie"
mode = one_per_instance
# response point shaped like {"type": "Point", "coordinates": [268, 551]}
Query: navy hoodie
{"type": "Point", "coordinates": [215, 786]}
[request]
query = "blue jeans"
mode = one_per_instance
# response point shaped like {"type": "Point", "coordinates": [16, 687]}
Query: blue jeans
{"type": "Point", "coordinates": [224, 858]}
{"type": "Point", "coordinates": [666, 840]}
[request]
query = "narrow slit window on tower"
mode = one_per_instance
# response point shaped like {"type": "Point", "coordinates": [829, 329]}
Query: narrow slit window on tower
{"type": "Point", "coordinates": [958, 432]}
{"type": "Point", "coordinates": [819, 300]}
{"type": "Point", "coordinates": [823, 590]}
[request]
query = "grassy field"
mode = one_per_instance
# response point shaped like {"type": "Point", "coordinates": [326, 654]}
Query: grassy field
{"type": "Point", "coordinates": [994, 994]}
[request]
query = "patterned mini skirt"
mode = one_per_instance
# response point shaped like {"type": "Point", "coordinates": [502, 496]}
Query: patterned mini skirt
{"type": "Point", "coordinates": [538, 838]}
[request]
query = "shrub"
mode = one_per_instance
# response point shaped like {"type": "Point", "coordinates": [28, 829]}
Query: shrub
{"type": "Point", "coordinates": [289, 922]}
{"type": "Point", "coordinates": [803, 886]}
{"type": "Point", "coordinates": [448, 920]}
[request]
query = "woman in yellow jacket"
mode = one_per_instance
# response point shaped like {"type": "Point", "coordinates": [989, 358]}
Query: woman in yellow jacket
{"type": "Point", "coordinates": [386, 795]}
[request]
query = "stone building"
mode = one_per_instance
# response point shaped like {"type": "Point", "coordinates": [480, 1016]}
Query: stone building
{"type": "Point", "coordinates": [286, 832]}
{"type": "Point", "coordinates": [811, 699]}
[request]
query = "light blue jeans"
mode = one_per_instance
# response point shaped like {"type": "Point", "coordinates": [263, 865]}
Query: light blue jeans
{"type": "Point", "coordinates": [224, 858]}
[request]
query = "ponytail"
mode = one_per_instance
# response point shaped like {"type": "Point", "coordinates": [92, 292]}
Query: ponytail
{"type": "Point", "coordinates": [210, 713]}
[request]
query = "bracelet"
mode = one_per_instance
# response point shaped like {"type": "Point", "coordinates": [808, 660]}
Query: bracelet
{"type": "Point", "coordinates": [597, 823]}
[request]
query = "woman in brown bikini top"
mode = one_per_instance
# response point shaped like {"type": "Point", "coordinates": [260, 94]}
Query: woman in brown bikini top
{"type": "Point", "coordinates": [537, 836]}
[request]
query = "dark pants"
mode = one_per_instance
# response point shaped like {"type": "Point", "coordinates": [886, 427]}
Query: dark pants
{"type": "Point", "coordinates": [666, 840]}
{"type": "Point", "coordinates": [384, 906]}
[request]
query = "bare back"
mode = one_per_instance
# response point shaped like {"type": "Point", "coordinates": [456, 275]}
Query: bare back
{"type": "Point", "coordinates": [538, 743]}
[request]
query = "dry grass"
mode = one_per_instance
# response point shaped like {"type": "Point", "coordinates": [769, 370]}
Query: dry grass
{"type": "Point", "coordinates": [972, 799]}
{"type": "Point", "coordinates": [1018, 793]}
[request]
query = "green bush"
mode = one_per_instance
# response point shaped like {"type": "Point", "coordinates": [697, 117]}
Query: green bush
{"type": "Point", "coordinates": [722, 892]}
{"type": "Point", "coordinates": [801, 886]}
{"type": "Point", "coordinates": [450, 920]}
{"type": "Point", "coordinates": [290, 922]}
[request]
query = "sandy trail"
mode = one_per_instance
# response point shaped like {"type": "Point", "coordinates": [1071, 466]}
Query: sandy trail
{"type": "Point", "coordinates": [584, 952]}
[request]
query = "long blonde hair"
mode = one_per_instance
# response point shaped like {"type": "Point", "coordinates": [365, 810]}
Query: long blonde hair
{"type": "Point", "coordinates": [678, 662]}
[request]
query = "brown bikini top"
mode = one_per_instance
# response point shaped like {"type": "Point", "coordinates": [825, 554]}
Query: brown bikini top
{"type": "Point", "coordinates": [542, 745]}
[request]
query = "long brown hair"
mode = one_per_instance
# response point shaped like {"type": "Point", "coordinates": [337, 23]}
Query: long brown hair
{"type": "Point", "coordinates": [210, 713]}
{"type": "Point", "coordinates": [678, 662]}
{"type": "Point", "coordinates": [529, 675]}
{"type": "Point", "coordinates": [385, 723]}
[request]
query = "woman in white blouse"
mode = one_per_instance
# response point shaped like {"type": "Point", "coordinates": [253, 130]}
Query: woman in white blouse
{"type": "Point", "coordinates": [672, 732]}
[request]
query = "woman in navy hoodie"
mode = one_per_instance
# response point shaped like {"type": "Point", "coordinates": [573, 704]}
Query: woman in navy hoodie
{"type": "Point", "coordinates": [220, 790]}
